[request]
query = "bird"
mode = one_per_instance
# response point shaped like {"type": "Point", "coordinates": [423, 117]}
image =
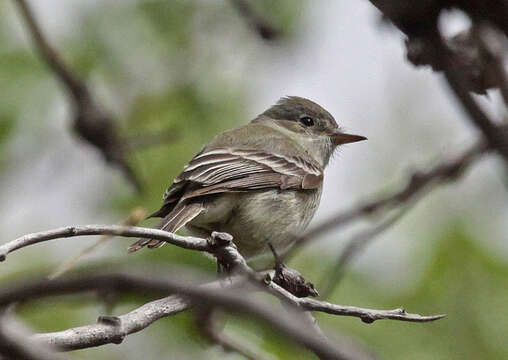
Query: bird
{"type": "Point", "coordinates": [260, 182]}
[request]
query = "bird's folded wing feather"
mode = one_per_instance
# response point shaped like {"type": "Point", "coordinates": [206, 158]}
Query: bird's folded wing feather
{"type": "Point", "coordinates": [229, 169]}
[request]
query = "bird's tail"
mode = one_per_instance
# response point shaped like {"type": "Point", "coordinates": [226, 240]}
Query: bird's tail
{"type": "Point", "coordinates": [181, 215]}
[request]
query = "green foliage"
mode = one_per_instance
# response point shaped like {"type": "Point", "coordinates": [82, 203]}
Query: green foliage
{"type": "Point", "coordinates": [462, 280]}
{"type": "Point", "coordinates": [161, 42]}
{"type": "Point", "coordinates": [171, 20]}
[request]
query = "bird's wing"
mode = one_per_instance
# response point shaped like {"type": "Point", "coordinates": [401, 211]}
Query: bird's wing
{"type": "Point", "coordinates": [234, 170]}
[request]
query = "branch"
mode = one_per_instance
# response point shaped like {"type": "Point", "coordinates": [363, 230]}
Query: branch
{"type": "Point", "coordinates": [15, 343]}
{"type": "Point", "coordinates": [228, 297]}
{"type": "Point", "coordinates": [91, 122]}
{"type": "Point", "coordinates": [231, 301]}
{"type": "Point", "coordinates": [186, 242]}
{"type": "Point", "coordinates": [221, 246]}
{"type": "Point", "coordinates": [229, 255]}
{"type": "Point", "coordinates": [496, 136]}
{"type": "Point", "coordinates": [444, 172]}
{"type": "Point", "coordinates": [463, 59]}
{"type": "Point", "coordinates": [480, 66]}
{"type": "Point", "coordinates": [495, 45]}
{"type": "Point", "coordinates": [134, 321]}
{"type": "Point", "coordinates": [207, 324]}
{"type": "Point", "coordinates": [366, 315]}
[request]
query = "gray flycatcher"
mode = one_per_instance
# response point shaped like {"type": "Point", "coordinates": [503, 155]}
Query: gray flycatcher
{"type": "Point", "coordinates": [260, 182]}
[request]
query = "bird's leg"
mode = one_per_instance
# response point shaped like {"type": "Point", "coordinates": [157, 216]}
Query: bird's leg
{"type": "Point", "coordinates": [278, 261]}
{"type": "Point", "coordinates": [290, 279]}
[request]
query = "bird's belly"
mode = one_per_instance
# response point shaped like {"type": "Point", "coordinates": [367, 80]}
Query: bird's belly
{"type": "Point", "coordinates": [255, 219]}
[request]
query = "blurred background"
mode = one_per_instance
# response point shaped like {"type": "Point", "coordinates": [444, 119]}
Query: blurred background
{"type": "Point", "coordinates": [196, 68]}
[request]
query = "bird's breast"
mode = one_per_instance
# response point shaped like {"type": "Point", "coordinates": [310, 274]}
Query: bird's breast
{"type": "Point", "coordinates": [255, 219]}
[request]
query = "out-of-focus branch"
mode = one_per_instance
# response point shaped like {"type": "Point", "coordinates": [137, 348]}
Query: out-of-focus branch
{"type": "Point", "coordinates": [206, 321]}
{"type": "Point", "coordinates": [467, 60]}
{"type": "Point", "coordinates": [114, 329]}
{"type": "Point", "coordinates": [416, 18]}
{"type": "Point", "coordinates": [225, 251]}
{"type": "Point", "coordinates": [231, 301]}
{"type": "Point", "coordinates": [113, 332]}
{"type": "Point", "coordinates": [496, 135]}
{"type": "Point", "coordinates": [495, 45]}
{"type": "Point", "coordinates": [222, 247]}
{"type": "Point", "coordinates": [91, 122]}
{"type": "Point", "coordinates": [443, 172]}
{"type": "Point", "coordinates": [480, 66]}
{"type": "Point", "coordinates": [262, 26]}
{"type": "Point", "coordinates": [15, 343]}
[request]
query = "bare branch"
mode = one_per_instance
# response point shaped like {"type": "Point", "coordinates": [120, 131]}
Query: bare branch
{"type": "Point", "coordinates": [212, 294]}
{"type": "Point", "coordinates": [103, 333]}
{"type": "Point", "coordinates": [366, 315]}
{"type": "Point", "coordinates": [481, 68]}
{"type": "Point", "coordinates": [230, 255]}
{"type": "Point", "coordinates": [136, 320]}
{"type": "Point", "coordinates": [458, 58]}
{"type": "Point", "coordinates": [91, 122]}
{"type": "Point", "coordinates": [186, 242]}
{"type": "Point", "coordinates": [222, 247]}
{"type": "Point", "coordinates": [443, 172]}
{"type": "Point", "coordinates": [263, 27]}
{"type": "Point", "coordinates": [15, 343]}
{"type": "Point", "coordinates": [230, 301]}
{"type": "Point", "coordinates": [496, 136]}
{"type": "Point", "coordinates": [495, 45]}
{"type": "Point", "coordinates": [207, 324]}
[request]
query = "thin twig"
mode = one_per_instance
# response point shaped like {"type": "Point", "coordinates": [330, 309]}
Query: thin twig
{"type": "Point", "coordinates": [443, 172]}
{"type": "Point", "coordinates": [366, 315]}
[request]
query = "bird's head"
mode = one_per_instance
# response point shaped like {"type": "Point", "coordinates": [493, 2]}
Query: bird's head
{"type": "Point", "coordinates": [312, 124]}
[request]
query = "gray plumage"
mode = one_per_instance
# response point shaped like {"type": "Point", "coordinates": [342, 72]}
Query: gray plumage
{"type": "Point", "coordinates": [260, 182]}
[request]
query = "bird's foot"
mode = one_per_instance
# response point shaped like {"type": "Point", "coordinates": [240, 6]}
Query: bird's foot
{"type": "Point", "coordinates": [290, 279]}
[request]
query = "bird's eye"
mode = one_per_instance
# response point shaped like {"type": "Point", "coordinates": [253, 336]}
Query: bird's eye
{"type": "Point", "coordinates": [307, 121]}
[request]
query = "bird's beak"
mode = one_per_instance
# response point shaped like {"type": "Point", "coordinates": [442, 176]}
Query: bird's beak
{"type": "Point", "coordinates": [340, 138]}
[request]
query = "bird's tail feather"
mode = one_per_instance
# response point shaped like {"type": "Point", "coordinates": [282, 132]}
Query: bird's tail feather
{"type": "Point", "coordinates": [177, 218]}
